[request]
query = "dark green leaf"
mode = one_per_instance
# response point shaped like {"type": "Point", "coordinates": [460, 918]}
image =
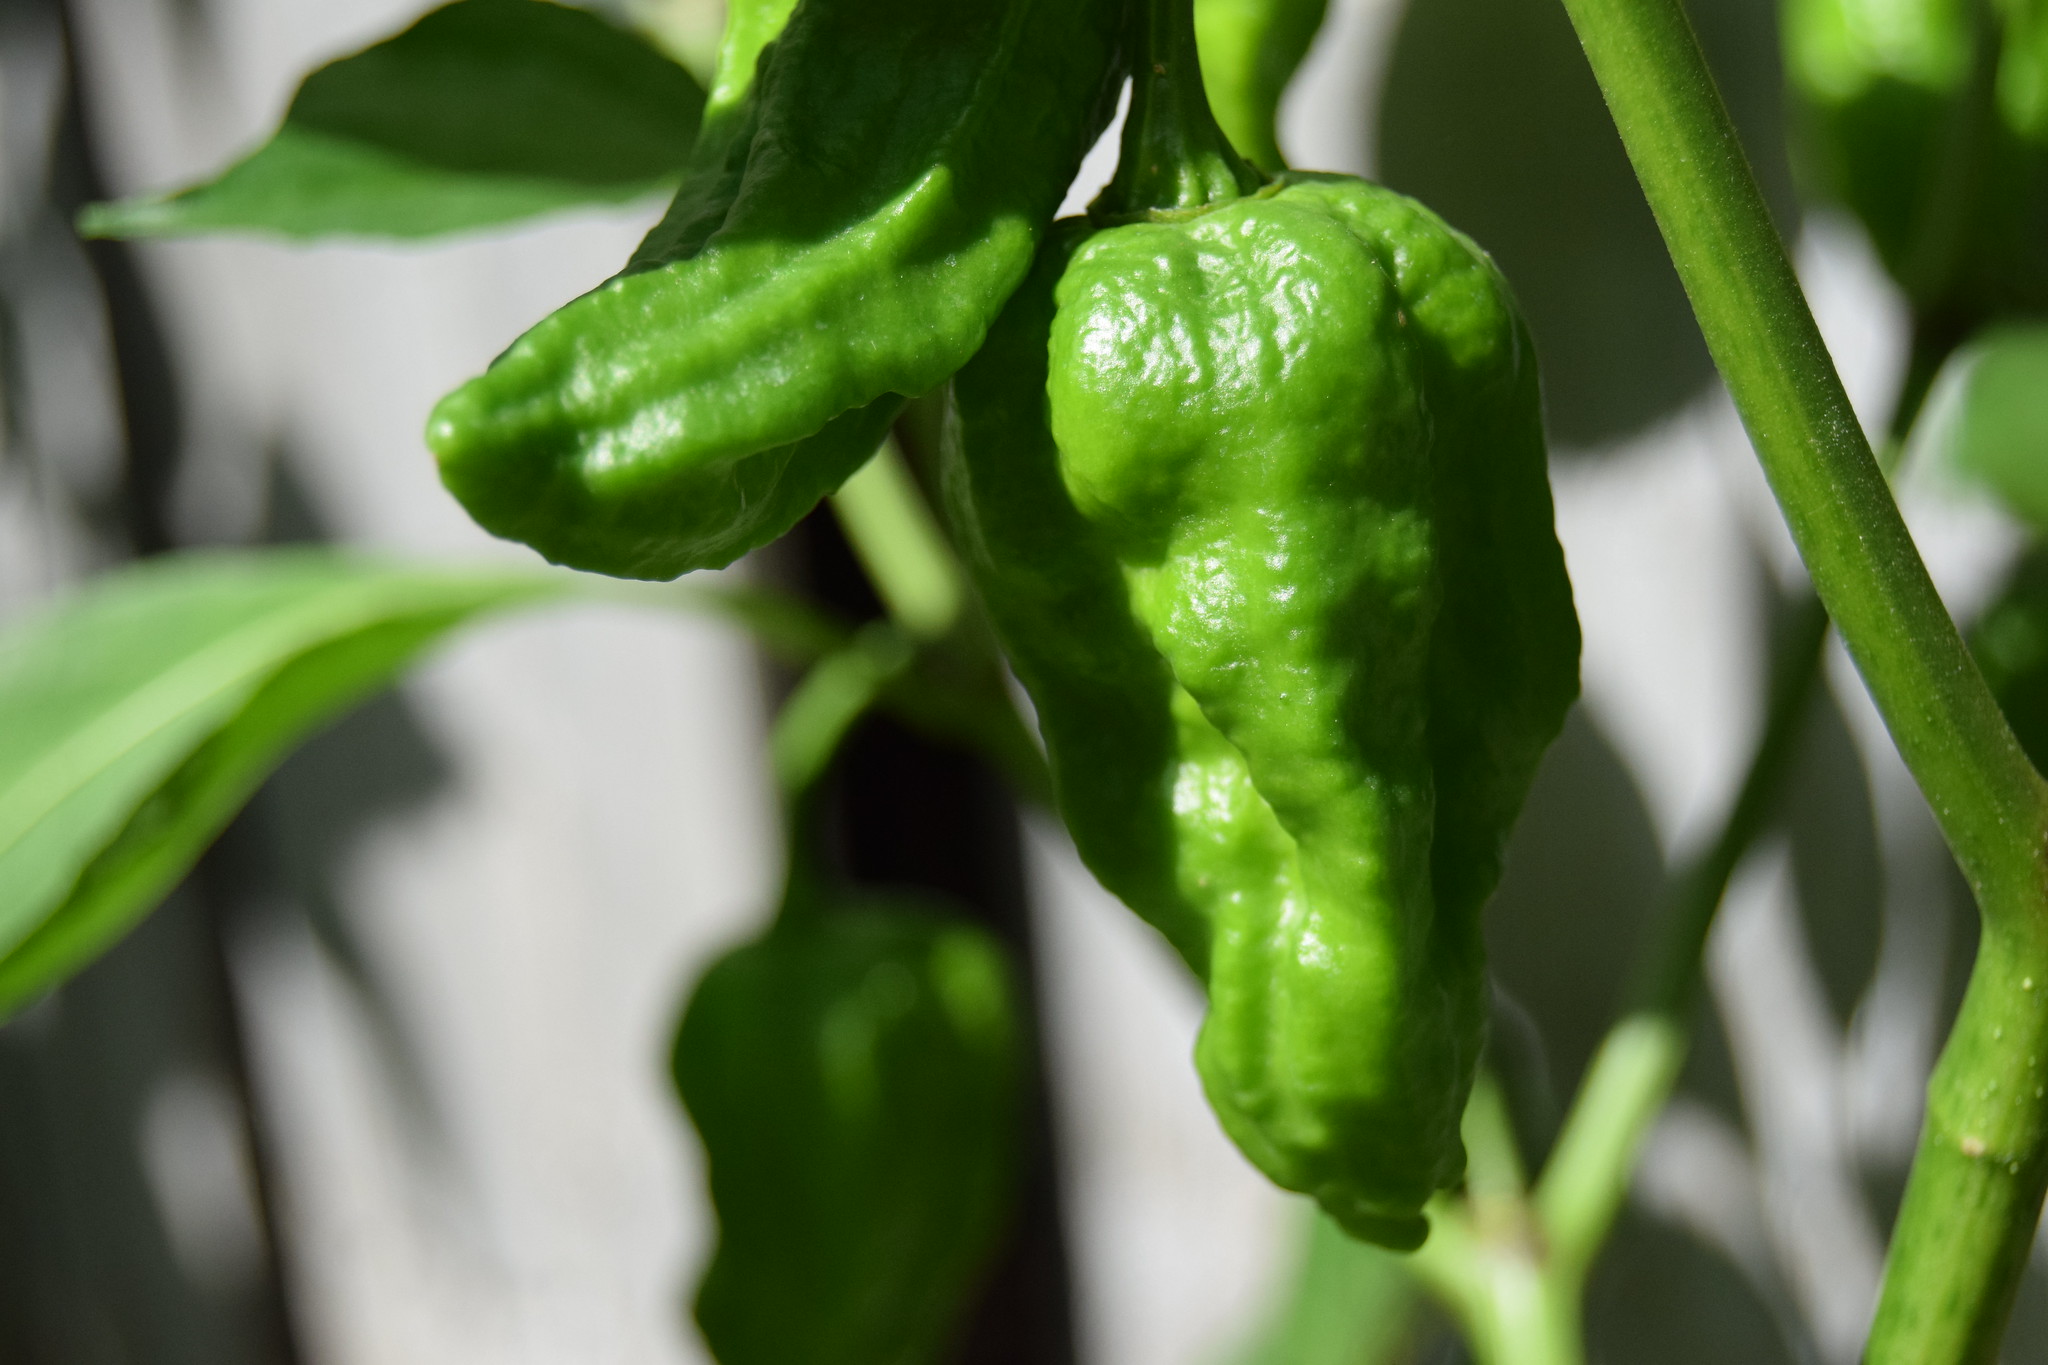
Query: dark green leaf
{"type": "Point", "coordinates": [137, 718]}
{"type": "Point", "coordinates": [484, 111]}
{"type": "Point", "coordinates": [1987, 418]}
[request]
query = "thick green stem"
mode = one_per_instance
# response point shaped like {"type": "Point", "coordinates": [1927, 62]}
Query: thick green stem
{"type": "Point", "coordinates": [1976, 1186]}
{"type": "Point", "coordinates": [1173, 157]}
{"type": "Point", "coordinates": [1485, 1259]}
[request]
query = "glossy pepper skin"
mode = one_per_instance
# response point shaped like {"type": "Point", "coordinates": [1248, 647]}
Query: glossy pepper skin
{"type": "Point", "coordinates": [1256, 498]}
{"type": "Point", "coordinates": [854, 1075]}
{"type": "Point", "coordinates": [855, 219]}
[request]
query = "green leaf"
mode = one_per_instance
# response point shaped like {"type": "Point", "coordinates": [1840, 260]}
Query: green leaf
{"type": "Point", "coordinates": [138, 717]}
{"type": "Point", "coordinates": [2010, 641]}
{"type": "Point", "coordinates": [484, 111]}
{"type": "Point", "coordinates": [1987, 418]}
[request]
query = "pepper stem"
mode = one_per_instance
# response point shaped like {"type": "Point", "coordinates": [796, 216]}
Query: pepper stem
{"type": "Point", "coordinates": [1173, 156]}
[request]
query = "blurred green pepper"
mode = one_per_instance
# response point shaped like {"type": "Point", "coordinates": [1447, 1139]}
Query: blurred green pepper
{"type": "Point", "coordinates": [1928, 119]}
{"type": "Point", "coordinates": [855, 1076]}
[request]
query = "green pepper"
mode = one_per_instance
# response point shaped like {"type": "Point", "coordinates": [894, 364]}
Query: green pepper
{"type": "Point", "coordinates": [1249, 51]}
{"type": "Point", "coordinates": [1252, 480]}
{"type": "Point", "coordinates": [854, 1075]}
{"type": "Point", "coordinates": [856, 216]}
{"type": "Point", "coordinates": [1929, 121]}
{"type": "Point", "coordinates": [750, 26]}
{"type": "Point", "coordinates": [2023, 68]}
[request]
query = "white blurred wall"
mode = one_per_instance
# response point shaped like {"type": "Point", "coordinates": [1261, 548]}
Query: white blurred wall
{"type": "Point", "coordinates": [606, 828]}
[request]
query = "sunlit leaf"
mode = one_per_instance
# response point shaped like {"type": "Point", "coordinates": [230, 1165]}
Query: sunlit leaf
{"type": "Point", "coordinates": [1987, 418]}
{"type": "Point", "coordinates": [485, 111]}
{"type": "Point", "coordinates": [139, 716]}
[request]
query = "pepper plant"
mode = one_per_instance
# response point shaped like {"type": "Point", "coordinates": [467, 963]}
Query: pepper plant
{"type": "Point", "coordinates": [1243, 474]}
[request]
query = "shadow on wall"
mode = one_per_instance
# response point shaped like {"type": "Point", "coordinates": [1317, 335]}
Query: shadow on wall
{"type": "Point", "coordinates": [1584, 876]}
{"type": "Point", "coordinates": [126, 1226]}
{"type": "Point", "coordinates": [133, 1190]}
{"type": "Point", "coordinates": [1489, 115]}
{"type": "Point", "coordinates": [290, 848]}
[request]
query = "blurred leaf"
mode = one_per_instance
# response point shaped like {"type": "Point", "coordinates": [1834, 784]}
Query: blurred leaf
{"type": "Point", "coordinates": [484, 111]}
{"type": "Point", "coordinates": [1987, 418]}
{"type": "Point", "coordinates": [2010, 641]}
{"type": "Point", "coordinates": [1348, 1304]}
{"type": "Point", "coordinates": [2023, 68]}
{"type": "Point", "coordinates": [140, 715]}
{"type": "Point", "coordinates": [1875, 83]}
{"type": "Point", "coordinates": [1584, 874]}
{"type": "Point", "coordinates": [1826, 813]}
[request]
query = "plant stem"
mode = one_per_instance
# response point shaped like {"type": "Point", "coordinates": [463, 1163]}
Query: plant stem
{"type": "Point", "coordinates": [1637, 1066]}
{"type": "Point", "coordinates": [899, 543]}
{"type": "Point", "coordinates": [1975, 1191]}
{"type": "Point", "coordinates": [1173, 157]}
{"type": "Point", "coordinates": [954, 687]}
{"type": "Point", "coordinates": [1588, 1174]}
{"type": "Point", "coordinates": [1638, 1063]}
{"type": "Point", "coordinates": [807, 733]}
{"type": "Point", "coordinates": [1485, 1258]}
{"type": "Point", "coordinates": [1511, 1311]}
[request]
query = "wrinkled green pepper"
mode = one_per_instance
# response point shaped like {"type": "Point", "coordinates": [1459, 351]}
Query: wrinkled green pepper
{"type": "Point", "coordinates": [1252, 480]}
{"type": "Point", "coordinates": [854, 1075]}
{"type": "Point", "coordinates": [855, 217]}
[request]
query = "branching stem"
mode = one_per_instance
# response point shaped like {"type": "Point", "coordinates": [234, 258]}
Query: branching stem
{"type": "Point", "coordinates": [1975, 1191]}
